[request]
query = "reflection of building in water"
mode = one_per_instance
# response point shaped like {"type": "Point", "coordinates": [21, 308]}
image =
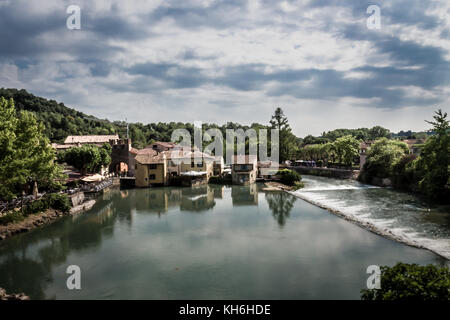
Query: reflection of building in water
{"type": "Point", "coordinates": [245, 195]}
{"type": "Point", "coordinates": [218, 191]}
{"type": "Point", "coordinates": [197, 198]}
{"type": "Point", "coordinates": [158, 200]}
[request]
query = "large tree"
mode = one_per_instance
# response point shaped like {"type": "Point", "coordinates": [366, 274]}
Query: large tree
{"type": "Point", "coordinates": [382, 156]}
{"type": "Point", "coordinates": [346, 149]}
{"type": "Point", "coordinates": [26, 157]}
{"type": "Point", "coordinates": [87, 158]}
{"type": "Point", "coordinates": [433, 163]}
{"type": "Point", "coordinates": [287, 140]}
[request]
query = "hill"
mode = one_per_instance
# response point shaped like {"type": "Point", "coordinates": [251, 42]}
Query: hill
{"type": "Point", "coordinates": [61, 121]}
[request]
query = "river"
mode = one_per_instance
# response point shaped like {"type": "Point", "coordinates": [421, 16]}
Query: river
{"type": "Point", "coordinates": [208, 242]}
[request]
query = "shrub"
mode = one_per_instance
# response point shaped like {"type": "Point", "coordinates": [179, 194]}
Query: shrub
{"type": "Point", "coordinates": [59, 201]}
{"type": "Point", "coordinates": [13, 216]}
{"type": "Point", "coordinates": [411, 282]}
{"type": "Point", "coordinates": [55, 201]}
{"type": "Point", "coordinates": [35, 207]}
{"type": "Point", "coordinates": [289, 177]}
{"type": "Point", "coordinates": [298, 185]}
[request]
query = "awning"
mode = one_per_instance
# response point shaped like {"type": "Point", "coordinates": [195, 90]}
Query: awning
{"type": "Point", "coordinates": [193, 173]}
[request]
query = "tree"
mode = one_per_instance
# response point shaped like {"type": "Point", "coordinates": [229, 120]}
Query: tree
{"type": "Point", "coordinates": [411, 282]}
{"type": "Point", "coordinates": [287, 140]}
{"type": "Point", "coordinates": [346, 149]}
{"type": "Point", "coordinates": [433, 164]}
{"type": "Point", "coordinates": [379, 132]}
{"type": "Point", "coordinates": [87, 158]}
{"type": "Point", "coordinates": [281, 204]}
{"type": "Point", "coordinates": [26, 155]}
{"type": "Point", "coordinates": [382, 156]}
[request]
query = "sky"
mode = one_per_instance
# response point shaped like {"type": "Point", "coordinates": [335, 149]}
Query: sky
{"type": "Point", "coordinates": [220, 61]}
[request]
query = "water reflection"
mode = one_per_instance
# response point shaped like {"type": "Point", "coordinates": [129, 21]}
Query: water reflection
{"type": "Point", "coordinates": [143, 243]}
{"type": "Point", "coordinates": [281, 204]}
{"type": "Point", "coordinates": [245, 195]}
{"type": "Point", "coordinates": [27, 260]}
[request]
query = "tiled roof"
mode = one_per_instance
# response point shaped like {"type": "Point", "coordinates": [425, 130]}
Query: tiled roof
{"type": "Point", "coordinates": [163, 144]}
{"type": "Point", "coordinates": [148, 156]}
{"type": "Point", "coordinates": [90, 139]}
{"type": "Point", "coordinates": [186, 154]}
{"type": "Point", "coordinates": [134, 151]}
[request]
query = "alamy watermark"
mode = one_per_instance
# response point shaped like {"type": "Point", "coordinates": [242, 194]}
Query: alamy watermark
{"type": "Point", "coordinates": [374, 20]}
{"type": "Point", "coordinates": [74, 280]}
{"type": "Point", "coordinates": [374, 280]}
{"type": "Point", "coordinates": [73, 21]}
{"type": "Point", "coordinates": [240, 145]}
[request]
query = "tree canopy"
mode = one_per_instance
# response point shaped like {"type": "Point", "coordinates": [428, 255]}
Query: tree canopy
{"type": "Point", "coordinates": [26, 156]}
{"type": "Point", "coordinates": [87, 158]}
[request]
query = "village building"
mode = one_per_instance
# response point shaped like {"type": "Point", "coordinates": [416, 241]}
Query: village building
{"type": "Point", "coordinates": [267, 169]}
{"type": "Point", "coordinates": [243, 169]}
{"type": "Point", "coordinates": [161, 146]}
{"type": "Point", "coordinates": [218, 165]}
{"type": "Point", "coordinates": [123, 157]}
{"type": "Point", "coordinates": [97, 140]}
{"type": "Point", "coordinates": [150, 168]}
{"type": "Point", "coordinates": [414, 145]}
{"type": "Point", "coordinates": [184, 160]}
{"type": "Point", "coordinates": [78, 141]}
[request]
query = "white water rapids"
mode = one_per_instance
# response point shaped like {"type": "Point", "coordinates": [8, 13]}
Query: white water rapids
{"type": "Point", "coordinates": [397, 215]}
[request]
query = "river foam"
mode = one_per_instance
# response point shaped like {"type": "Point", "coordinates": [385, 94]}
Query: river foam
{"type": "Point", "coordinates": [398, 216]}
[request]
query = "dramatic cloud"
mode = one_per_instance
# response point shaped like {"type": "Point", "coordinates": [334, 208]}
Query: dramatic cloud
{"type": "Point", "coordinates": [222, 60]}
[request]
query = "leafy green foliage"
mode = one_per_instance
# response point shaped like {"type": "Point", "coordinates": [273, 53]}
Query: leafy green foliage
{"type": "Point", "coordinates": [343, 150]}
{"type": "Point", "coordinates": [428, 173]}
{"type": "Point", "coordinates": [346, 149]}
{"type": "Point", "coordinates": [14, 216]}
{"type": "Point", "coordinates": [382, 156]}
{"type": "Point", "coordinates": [287, 140]}
{"type": "Point", "coordinates": [87, 158]}
{"type": "Point", "coordinates": [59, 201]}
{"type": "Point", "coordinates": [411, 282]}
{"type": "Point", "coordinates": [364, 134]}
{"type": "Point", "coordinates": [26, 155]}
{"type": "Point", "coordinates": [55, 201]}
{"type": "Point", "coordinates": [433, 164]}
{"type": "Point", "coordinates": [289, 177]}
{"type": "Point", "coordinates": [59, 120]}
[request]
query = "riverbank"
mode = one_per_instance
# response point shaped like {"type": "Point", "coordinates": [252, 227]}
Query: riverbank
{"type": "Point", "coordinates": [277, 186]}
{"type": "Point", "coordinates": [33, 221]}
{"type": "Point", "coordinates": [383, 211]}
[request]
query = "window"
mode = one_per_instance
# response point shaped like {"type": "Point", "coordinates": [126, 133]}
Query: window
{"type": "Point", "coordinates": [192, 164]}
{"type": "Point", "coordinates": [152, 166]}
{"type": "Point", "coordinates": [152, 177]}
{"type": "Point", "coordinates": [200, 164]}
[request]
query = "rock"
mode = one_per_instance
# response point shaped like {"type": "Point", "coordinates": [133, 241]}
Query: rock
{"type": "Point", "coordinates": [386, 182]}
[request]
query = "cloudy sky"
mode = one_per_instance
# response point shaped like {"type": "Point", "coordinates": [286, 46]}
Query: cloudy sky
{"type": "Point", "coordinates": [219, 61]}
